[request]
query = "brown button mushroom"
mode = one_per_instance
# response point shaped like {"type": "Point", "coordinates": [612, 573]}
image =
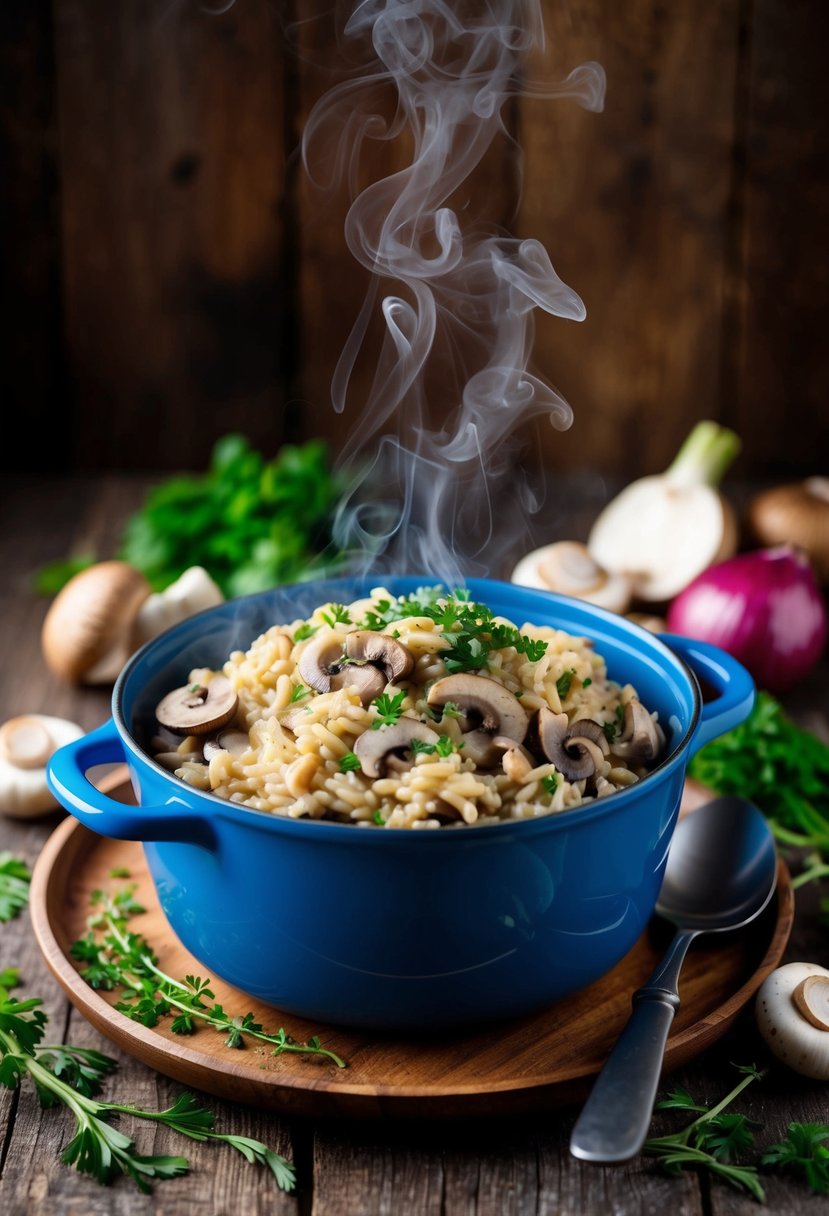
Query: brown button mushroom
{"type": "Point", "coordinates": [498, 709]}
{"type": "Point", "coordinates": [198, 709]}
{"type": "Point", "coordinates": [393, 659]}
{"type": "Point", "coordinates": [576, 756]}
{"type": "Point", "coordinates": [641, 739]}
{"type": "Point", "coordinates": [87, 633]}
{"type": "Point", "coordinates": [390, 747]}
{"type": "Point", "coordinates": [362, 659]}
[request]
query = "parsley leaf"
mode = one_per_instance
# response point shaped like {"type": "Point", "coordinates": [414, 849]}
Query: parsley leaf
{"type": "Point", "coordinates": [338, 615]}
{"type": "Point", "coordinates": [444, 747]}
{"type": "Point", "coordinates": [388, 708]}
{"type": "Point", "coordinates": [805, 1151]}
{"type": "Point", "coordinates": [550, 783]}
{"type": "Point", "coordinates": [305, 631]}
{"type": "Point", "coordinates": [299, 692]}
{"type": "Point", "coordinates": [350, 763]}
{"type": "Point", "coordinates": [15, 877]}
{"type": "Point", "coordinates": [784, 770]}
{"type": "Point", "coordinates": [564, 681]}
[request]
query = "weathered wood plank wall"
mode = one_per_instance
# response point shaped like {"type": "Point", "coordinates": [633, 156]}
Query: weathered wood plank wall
{"type": "Point", "coordinates": [170, 274]}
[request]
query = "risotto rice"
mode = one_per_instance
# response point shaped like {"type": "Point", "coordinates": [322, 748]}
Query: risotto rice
{"type": "Point", "coordinates": [325, 726]}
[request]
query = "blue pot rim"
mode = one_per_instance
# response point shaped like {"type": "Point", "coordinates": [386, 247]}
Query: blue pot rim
{"type": "Point", "coordinates": [598, 808]}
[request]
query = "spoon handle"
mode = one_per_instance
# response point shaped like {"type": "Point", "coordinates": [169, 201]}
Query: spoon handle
{"type": "Point", "coordinates": [616, 1117]}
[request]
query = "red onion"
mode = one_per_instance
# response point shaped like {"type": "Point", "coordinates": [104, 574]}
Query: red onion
{"type": "Point", "coordinates": [764, 608]}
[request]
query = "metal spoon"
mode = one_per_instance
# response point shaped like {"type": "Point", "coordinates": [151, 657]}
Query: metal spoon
{"type": "Point", "coordinates": [721, 873]}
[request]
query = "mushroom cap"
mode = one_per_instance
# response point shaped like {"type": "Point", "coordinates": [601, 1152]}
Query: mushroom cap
{"type": "Point", "coordinates": [91, 619]}
{"type": "Point", "coordinates": [641, 739]}
{"type": "Point", "coordinates": [569, 568]}
{"type": "Point", "coordinates": [500, 711]}
{"type": "Point", "coordinates": [795, 514]}
{"type": "Point", "coordinates": [374, 746]}
{"type": "Point", "coordinates": [588, 728]}
{"type": "Point", "coordinates": [25, 742]}
{"type": "Point", "coordinates": [367, 679]}
{"type": "Point", "coordinates": [198, 709]}
{"type": "Point", "coordinates": [380, 650]}
{"type": "Point", "coordinates": [237, 742]}
{"type": "Point", "coordinates": [575, 758]}
{"type": "Point", "coordinates": [320, 660]}
{"type": "Point", "coordinates": [793, 1038]}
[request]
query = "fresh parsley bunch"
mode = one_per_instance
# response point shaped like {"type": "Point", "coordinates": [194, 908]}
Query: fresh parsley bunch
{"type": "Point", "coordinates": [784, 770]}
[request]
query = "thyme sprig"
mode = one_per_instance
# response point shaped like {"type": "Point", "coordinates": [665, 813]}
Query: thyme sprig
{"type": "Point", "coordinates": [72, 1076]}
{"type": "Point", "coordinates": [115, 957]}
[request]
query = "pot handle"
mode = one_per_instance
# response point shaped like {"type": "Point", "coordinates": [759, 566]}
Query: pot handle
{"type": "Point", "coordinates": [66, 775]}
{"type": "Point", "coordinates": [729, 679]}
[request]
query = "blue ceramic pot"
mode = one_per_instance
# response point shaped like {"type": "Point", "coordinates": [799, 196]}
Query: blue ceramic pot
{"type": "Point", "coordinates": [401, 929]}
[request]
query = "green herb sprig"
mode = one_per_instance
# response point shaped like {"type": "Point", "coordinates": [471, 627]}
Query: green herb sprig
{"type": "Point", "coordinates": [116, 958]}
{"type": "Point", "coordinates": [388, 709]}
{"type": "Point", "coordinates": [72, 1076]}
{"type": "Point", "coordinates": [784, 770]}
{"type": "Point", "coordinates": [804, 1151]}
{"type": "Point", "coordinates": [15, 877]}
{"type": "Point", "coordinates": [713, 1140]}
{"type": "Point", "coordinates": [252, 523]}
{"type": "Point", "coordinates": [470, 629]}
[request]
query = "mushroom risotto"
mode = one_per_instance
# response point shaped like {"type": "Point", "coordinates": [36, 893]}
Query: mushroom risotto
{"type": "Point", "coordinates": [421, 711]}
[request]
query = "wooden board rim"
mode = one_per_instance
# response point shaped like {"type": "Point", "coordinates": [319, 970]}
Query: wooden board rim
{"type": "Point", "coordinates": [317, 1093]}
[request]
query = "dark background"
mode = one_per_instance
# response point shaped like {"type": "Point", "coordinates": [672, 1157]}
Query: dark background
{"type": "Point", "coordinates": [168, 274]}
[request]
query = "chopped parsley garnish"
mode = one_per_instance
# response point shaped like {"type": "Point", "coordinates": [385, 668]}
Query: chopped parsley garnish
{"type": "Point", "coordinates": [550, 783]}
{"type": "Point", "coordinates": [350, 763]}
{"type": "Point", "coordinates": [612, 729]}
{"type": "Point", "coordinates": [471, 629]}
{"type": "Point", "coordinates": [564, 681]}
{"type": "Point", "coordinates": [444, 747]}
{"type": "Point", "coordinates": [305, 631]}
{"type": "Point", "coordinates": [339, 615]}
{"type": "Point", "coordinates": [388, 708]}
{"type": "Point", "coordinates": [378, 819]}
{"type": "Point", "coordinates": [299, 692]}
{"type": "Point", "coordinates": [586, 683]}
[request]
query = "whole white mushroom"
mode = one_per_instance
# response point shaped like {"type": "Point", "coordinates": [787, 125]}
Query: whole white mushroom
{"type": "Point", "coordinates": [792, 1012]}
{"type": "Point", "coordinates": [26, 744]}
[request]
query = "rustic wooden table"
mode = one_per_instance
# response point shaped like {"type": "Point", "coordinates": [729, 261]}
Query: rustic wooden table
{"type": "Point", "coordinates": [343, 1168]}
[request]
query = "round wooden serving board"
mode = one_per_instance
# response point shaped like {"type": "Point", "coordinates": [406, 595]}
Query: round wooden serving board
{"type": "Point", "coordinates": [532, 1064]}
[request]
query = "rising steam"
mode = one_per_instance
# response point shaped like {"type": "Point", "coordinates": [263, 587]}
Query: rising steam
{"type": "Point", "coordinates": [459, 315]}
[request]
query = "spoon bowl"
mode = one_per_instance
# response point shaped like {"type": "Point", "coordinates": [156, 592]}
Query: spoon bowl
{"type": "Point", "coordinates": [720, 875]}
{"type": "Point", "coordinates": [721, 870]}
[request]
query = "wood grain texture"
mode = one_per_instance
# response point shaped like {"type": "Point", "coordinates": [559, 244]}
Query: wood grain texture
{"type": "Point", "coordinates": [520, 1166]}
{"type": "Point", "coordinates": [532, 1063]}
{"type": "Point", "coordinates": [30, 336]}
{"type": "Point", "coordinates": [172, 164]}
{"type": "Point", "coordinates": [632, 204]}
{"type": "Point", "coordinates": [781, 275]}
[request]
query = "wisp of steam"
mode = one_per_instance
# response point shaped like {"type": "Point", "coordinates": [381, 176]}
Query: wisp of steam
{"type": "Point", "coordinates": [434, 445]}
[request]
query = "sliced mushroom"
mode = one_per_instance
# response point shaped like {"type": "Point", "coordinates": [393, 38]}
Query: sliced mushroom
{"type": "Point", "coordinates": [499, 710]}
{"type": "Point", "coordinates": [369, 681]}
{"type": "Point", "coordinates": [198, 709]}
{"type": "Point", "coordinates": [381, 651]}
{"type": "Point", "coordinates": [236, 742]}
{"type": "Point", "coordinates": [388, 747]}
{"type": "Point", "coordinates": [641, 739]}
{"type": "Point", "coordinates": [320, 661]}
{"type": "Point", "coordinates": [365, 660]}
{"type": "Point", "coordinates": [588, 728]}
{"type": "Point", "coordinates": [575, 758]}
